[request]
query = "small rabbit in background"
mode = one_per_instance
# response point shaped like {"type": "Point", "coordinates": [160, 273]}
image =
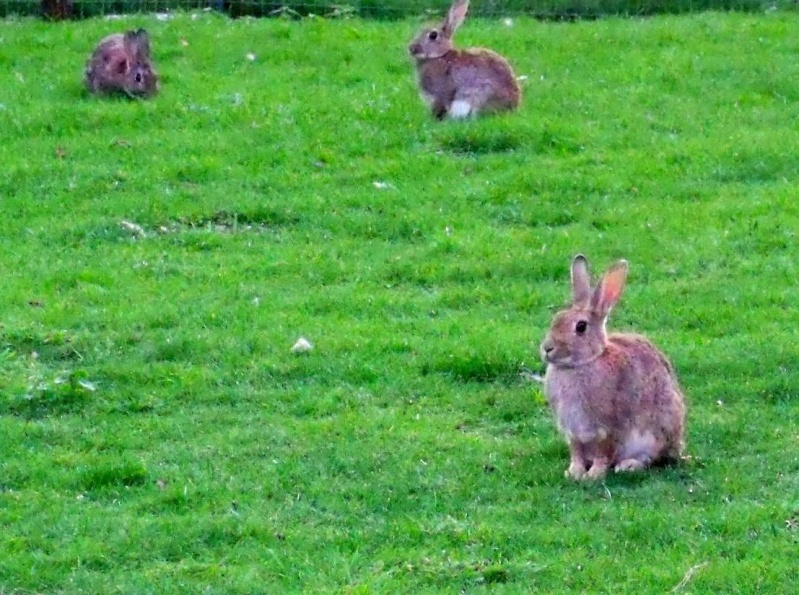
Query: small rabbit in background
{"type": "Point", "coordinates": [461, 83]}
{"type": "Point", "coordinates": [121, 63]}
{"type": "Point", "coordinates": [615, 396]}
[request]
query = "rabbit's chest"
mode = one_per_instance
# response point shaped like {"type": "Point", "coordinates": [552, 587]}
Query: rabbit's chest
{"type": "Point", "coordinates": [575, 414]}
{"type": "Point", "coordinates": [434, 80]}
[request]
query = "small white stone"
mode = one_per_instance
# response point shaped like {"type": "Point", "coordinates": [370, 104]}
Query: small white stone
{"type": "Point", "coordinates": [250, 56]}
{"type": "Point", "coordinates": [302, 345]}
{"type": "Point", "coordinates": [133, 228]}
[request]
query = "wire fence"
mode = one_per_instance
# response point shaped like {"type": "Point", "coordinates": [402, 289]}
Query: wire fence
{"type": "Point", "coordinates": [386, 9]}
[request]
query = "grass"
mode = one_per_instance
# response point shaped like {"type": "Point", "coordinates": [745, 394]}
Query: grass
{"type": "Point", "coordinates": [160, 259]}
{"type": "Point", "coordinates": [398, 9]}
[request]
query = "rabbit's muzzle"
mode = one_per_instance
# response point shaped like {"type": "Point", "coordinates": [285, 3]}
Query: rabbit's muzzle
{"type": "Point", "coordinates": [547, 351]}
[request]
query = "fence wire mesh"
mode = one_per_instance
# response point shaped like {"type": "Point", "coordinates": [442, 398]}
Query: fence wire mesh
{"type": "Point", "coordinates": [384, 9]}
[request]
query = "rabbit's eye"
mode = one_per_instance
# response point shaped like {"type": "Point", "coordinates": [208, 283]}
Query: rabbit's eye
{"type": "Point", "coordinates": [580, 327]}
{"type": "Point", "coordinates": [432, 35]}
{"type": "Point", "coordinates": [138, 77]}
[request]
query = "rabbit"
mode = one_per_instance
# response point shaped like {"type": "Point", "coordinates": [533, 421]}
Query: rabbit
{"type": "Point", "coordinates": [461, 83]}
{"type": "Point", "coordinates": [121, 64]}
{"type": "Point", "coordinates": [615, 396]}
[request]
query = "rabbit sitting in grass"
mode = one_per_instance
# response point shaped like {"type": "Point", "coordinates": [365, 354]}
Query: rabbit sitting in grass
{"type": "Point", "coordinates": [461, 83]}
{"type": "Point", "coordinates": [121, 63]}
{"type": "Point", "coordinates": [615, 396]}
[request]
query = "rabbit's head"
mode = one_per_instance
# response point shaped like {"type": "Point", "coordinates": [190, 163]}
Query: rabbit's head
{"type": "Point", "coordinates": [577, 335]}
{"type": "Point", "coordinates": [434, 42]}
{"type": "Point", "coordinates": [135, 66]}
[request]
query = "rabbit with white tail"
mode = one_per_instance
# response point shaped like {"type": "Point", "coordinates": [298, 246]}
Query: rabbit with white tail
{"type": "Point", "coordinates": [121, 63]}
{"type": "Point", "coordinates": [615, 396]}
{"type": "Point", "coordinates": [461, 83]}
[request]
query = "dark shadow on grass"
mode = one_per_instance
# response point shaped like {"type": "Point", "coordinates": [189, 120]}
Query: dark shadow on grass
{"type": "Point", "coordinates": [68, 393]}
{"type": "Point", "coordinates": [50, 347]}
{"type": "Point", "coordinates": [474, 141]}
{"type": "Point", "coordinates": [258, 219]}
{"type": "Point", "coordinates": [491, 136]}
{"type": "Point", "coordinates": [474, 368]}
{"type": "Point", "coordinates": [677, 471]}
{"type": "Point", "coordinates": [218, 223]}
{"type": "Point", "coordinates": [754, 167]}
{"type": "Point", "coordinates": [123, 474]}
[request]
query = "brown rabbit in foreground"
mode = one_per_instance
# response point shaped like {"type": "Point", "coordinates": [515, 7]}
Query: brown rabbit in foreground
{"type": "Point", "coordinates": [121, 64]}
{"type": "Point", "coordinates": [461, 83]}
{"type": "Point", "coordinates": [615, 396]}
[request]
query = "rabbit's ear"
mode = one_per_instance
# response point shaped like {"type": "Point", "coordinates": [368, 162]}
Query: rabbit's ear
{"type": "Point", "coordinates": [581, 280]}
{"type": "Point", "coordinates": [610, 288]}
{"type": "Point", "coordinates": [129, 41]}
{"type": "Point", "coordinates": [143, 43]}
{"type": "Point", "coordinates": [137, 43]}
{"type": "Point", "coordinates": [455, 16]}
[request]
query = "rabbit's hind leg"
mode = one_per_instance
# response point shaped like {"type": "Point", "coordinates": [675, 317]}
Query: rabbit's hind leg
{"type": "Point", "coordinates": [631, 465]}
{"type": "Point", "coordinates": [639, 450]}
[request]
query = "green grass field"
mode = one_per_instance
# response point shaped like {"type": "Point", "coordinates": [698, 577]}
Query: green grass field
{"type": "Point", "coordinates": [159, 259]}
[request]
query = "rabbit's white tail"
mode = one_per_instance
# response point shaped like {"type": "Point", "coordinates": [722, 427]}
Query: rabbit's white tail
{"type": "Point", "coordinates": [460, 108]}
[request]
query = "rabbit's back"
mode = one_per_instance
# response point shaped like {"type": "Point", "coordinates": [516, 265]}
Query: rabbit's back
{"type": "Point", "coordinates": [465, 82]}
{"type": "Point", "coordinates": [648, 388]}
{"type": "Point", "coordinates": [485, 76]}
{"type": "Point", "coordinates": [100, 74]}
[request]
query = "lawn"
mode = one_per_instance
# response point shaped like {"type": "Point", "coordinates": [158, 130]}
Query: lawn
{"type": "Point", "coordinates": [160, 259]}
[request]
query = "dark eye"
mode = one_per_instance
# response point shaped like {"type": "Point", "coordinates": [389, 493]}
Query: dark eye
{"type": "Point", "coordinates": [433, 35]}
{"type": "Point", "coordinates": [138, 77]}
{"type": "Point", "coordinates": [581, 326]}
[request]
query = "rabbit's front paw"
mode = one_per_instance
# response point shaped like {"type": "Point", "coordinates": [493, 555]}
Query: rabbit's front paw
{"type": "Point", "coordinates": [597, 471]}
{"type": "Point", "coordinates": [575, 471]}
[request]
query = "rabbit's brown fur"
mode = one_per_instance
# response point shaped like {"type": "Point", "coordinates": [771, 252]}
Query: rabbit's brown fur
{"type": "Point", "coordinates": [461, 83]}
{"type": "Point", "coordinates": [615, 396]}
{"type": "Point", "coordinates": [121, 63]}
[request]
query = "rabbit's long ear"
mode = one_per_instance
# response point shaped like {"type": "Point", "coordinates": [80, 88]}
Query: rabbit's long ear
{"type": "Point", "coordinates": [137, 43]}
{"type": "Point", "coordinates": [455, 16]}
{"type": "Point", "coordinates": [129, 41]}
{"type": "Point", "coordinates": [143, 43]}
{"type": "Point", "coordinates": [581, 281]}
{"type": "Point", "coordinates": [607, 293]}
